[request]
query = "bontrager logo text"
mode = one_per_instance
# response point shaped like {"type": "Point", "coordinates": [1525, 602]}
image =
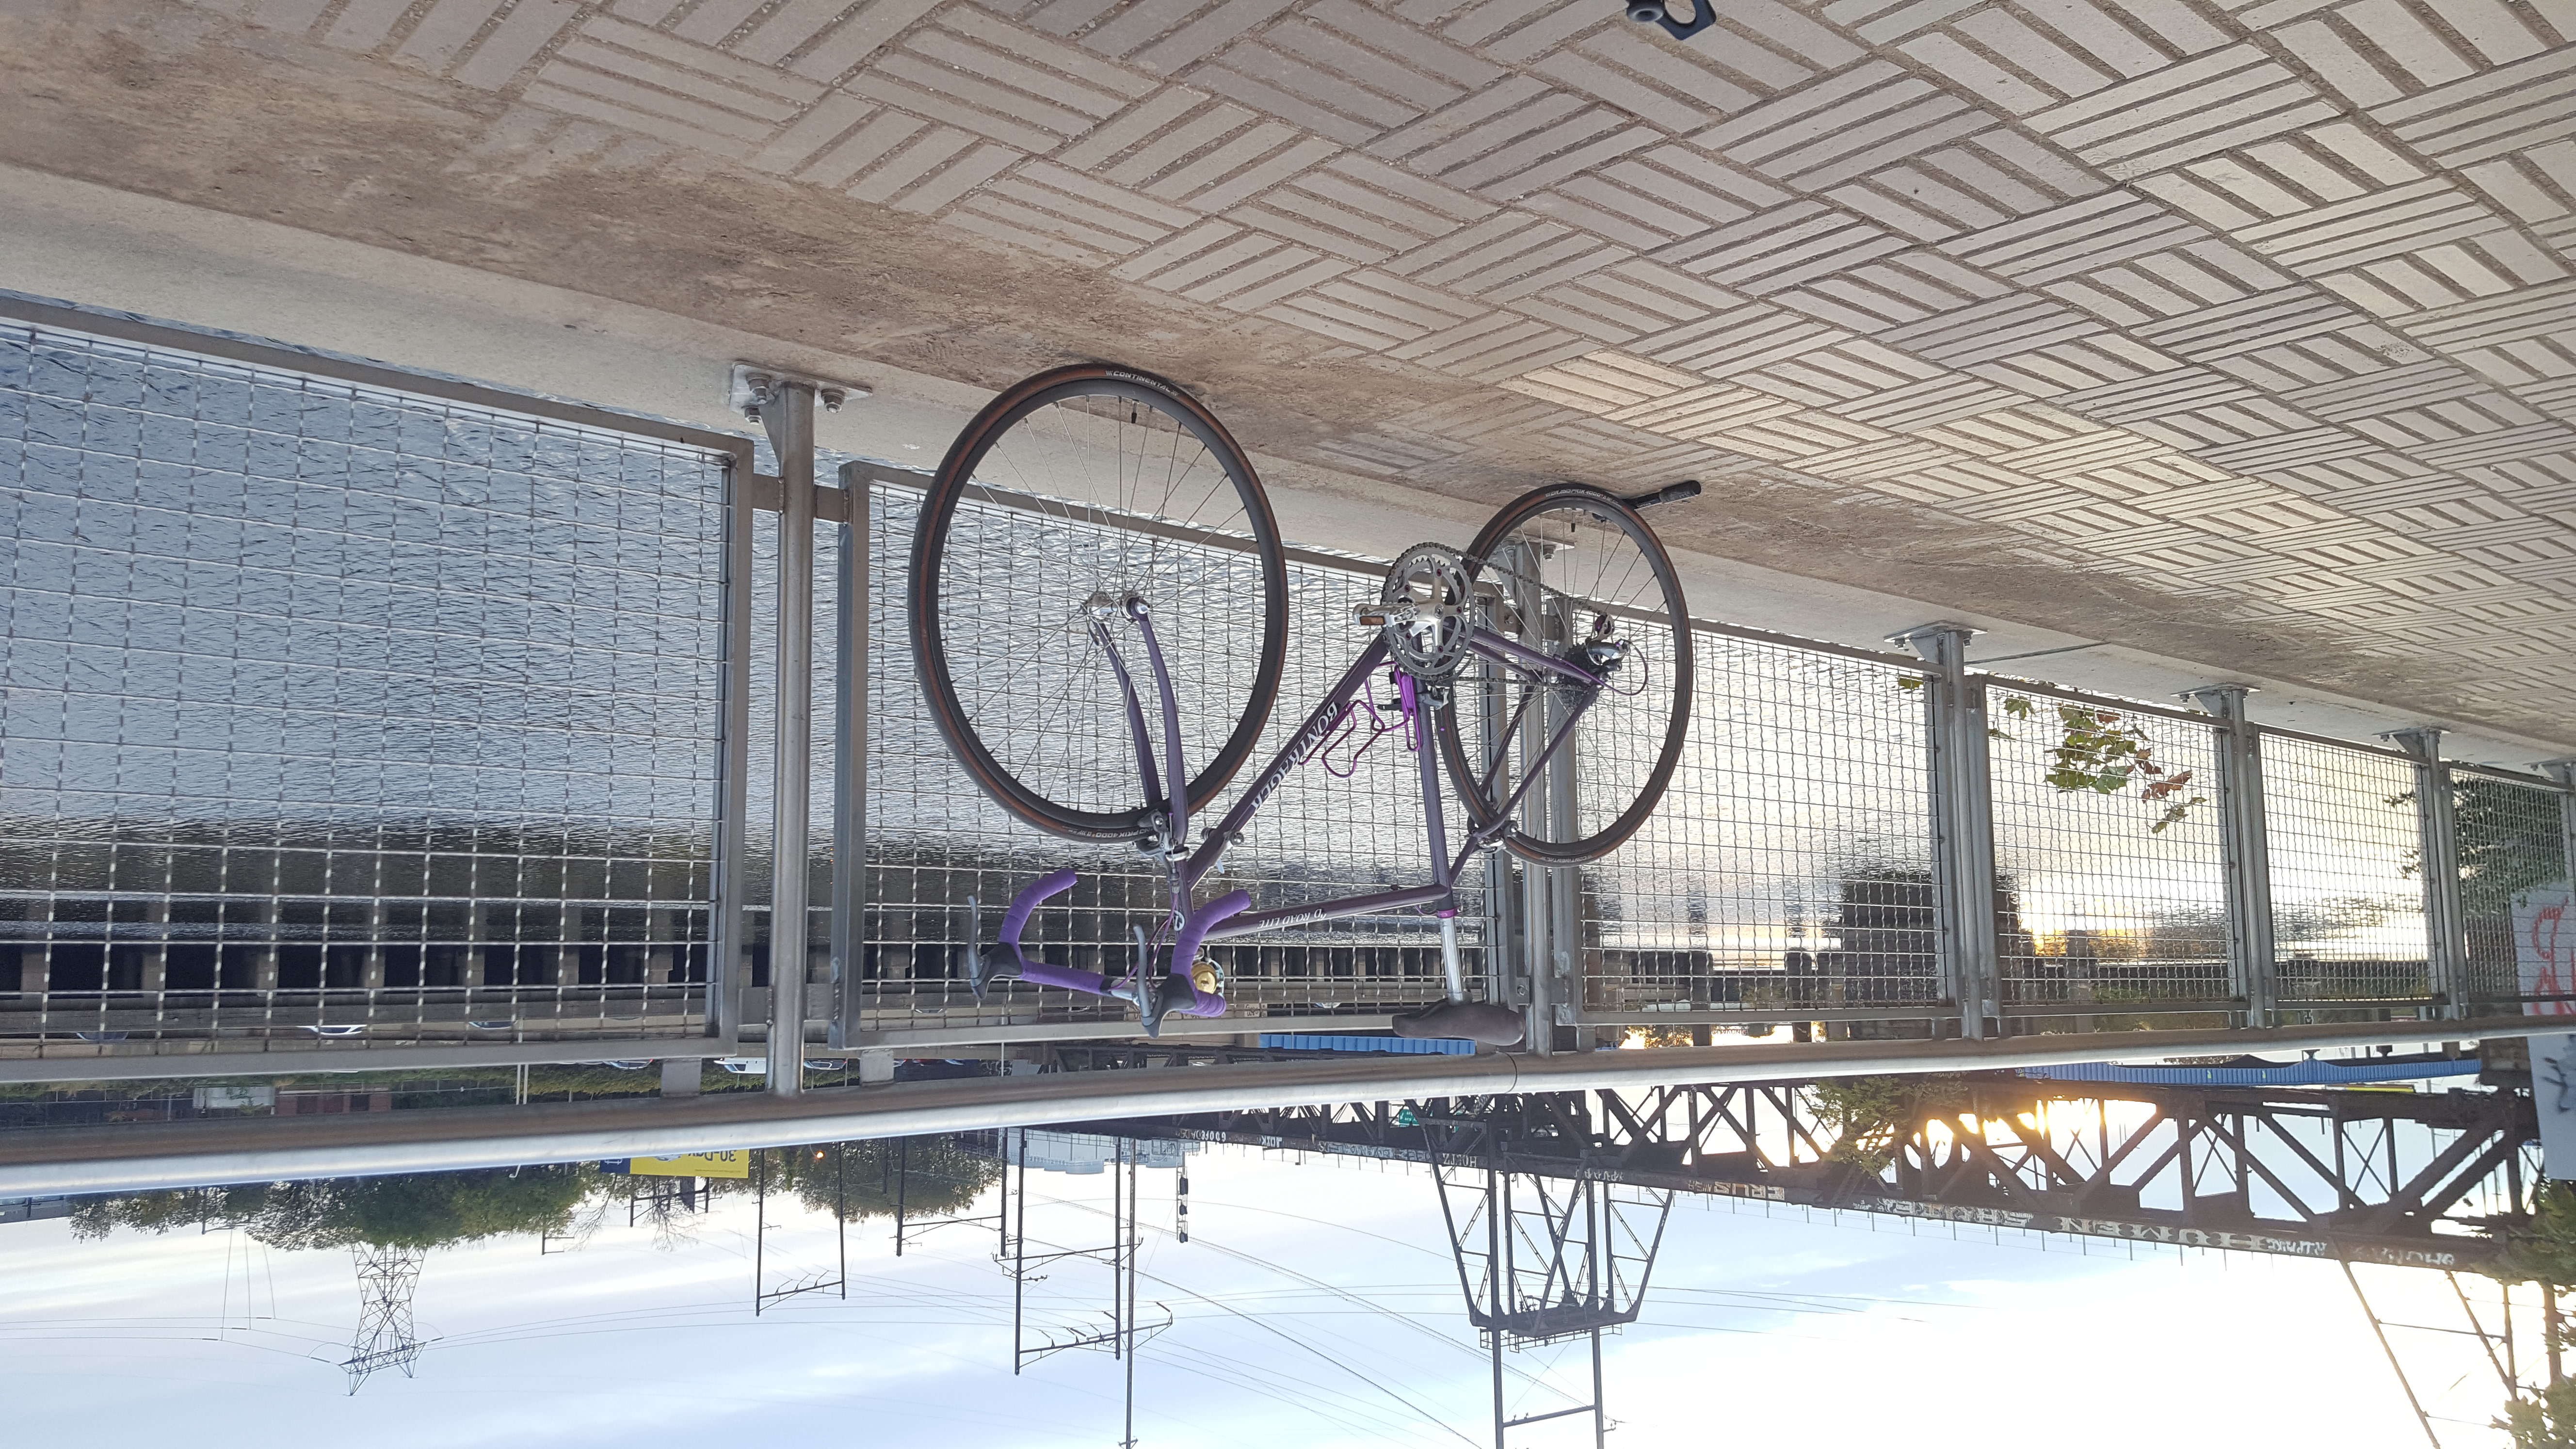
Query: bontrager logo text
{"type": "Point", "coordinates": [1307, 742]}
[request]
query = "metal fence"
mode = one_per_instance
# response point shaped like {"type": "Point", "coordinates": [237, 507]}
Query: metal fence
{"type": "Point", "coordinates": [340, 702]}
{"type": "Point", "coordinates": [2110, 887]}
{"type": "Point", "coordinates": [2347, 900]}
{"type": "Point", "coordinates": [1789, 866]}
{"type": "Point", "coordinates": [335, 710]}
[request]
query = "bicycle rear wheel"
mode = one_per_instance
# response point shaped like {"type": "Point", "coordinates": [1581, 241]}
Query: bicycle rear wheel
{"type": "Point", "coordinates": [1558, 570]}
{"type": "Point", "coordinates": [1083, 482]}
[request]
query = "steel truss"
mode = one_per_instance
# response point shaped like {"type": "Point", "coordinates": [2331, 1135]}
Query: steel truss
{"type": "Point", "coordinates": [2407, 1179]}
{"type": "Point", "coordinates": [1541, 1259]}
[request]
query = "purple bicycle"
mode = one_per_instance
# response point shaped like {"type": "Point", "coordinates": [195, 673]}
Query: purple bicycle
{"type": "Point", "coordinates": [1098, 600]}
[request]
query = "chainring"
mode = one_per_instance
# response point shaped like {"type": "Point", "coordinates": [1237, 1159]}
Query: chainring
{"type": "Point", "coordinates": [1429, 615]}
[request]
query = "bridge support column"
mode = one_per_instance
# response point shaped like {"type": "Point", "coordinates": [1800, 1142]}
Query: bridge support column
{"type": "Point", "coordinates": [2437, 855]}
{"type": "Point", "coordinates": [2243, 840]}
{"type": "Point", "coordinates": [1963, 842]}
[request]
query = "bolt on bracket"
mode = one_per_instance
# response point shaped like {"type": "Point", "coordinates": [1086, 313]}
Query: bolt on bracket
{"type": "Point", "coordinates": [749, 387]}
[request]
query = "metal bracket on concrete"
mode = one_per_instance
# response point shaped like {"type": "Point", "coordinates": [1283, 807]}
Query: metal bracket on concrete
{"type": "Point", "coordinates": [2244, 853]}
{"type": "Point", "coordinates": [2438, 859]}
{"type": "Point", "coordinates": [752, 386]}
{"type": "Point", "coordinates": [1963, 841]}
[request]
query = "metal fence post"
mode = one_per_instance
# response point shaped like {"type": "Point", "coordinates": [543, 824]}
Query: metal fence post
{"type": "Point", "coordinates": [2437, 856]}
{"type": "Point", "coordinates": [1505, 984]}
{"type": "Point", "coordinates": [2244, 849]}
{"type": "Point", "coordinates": [1546, 809]}
{"type": "Point", "coordinates": [788, 415]}
{"type": "Point", "coordinates": [1963, 842]}
{"type": "Point", "coordinates": [725, 944]}
{"type": "Point", "coordinates": [850, 759]}
{"type": "Point", "coordinates": [1555, 917]}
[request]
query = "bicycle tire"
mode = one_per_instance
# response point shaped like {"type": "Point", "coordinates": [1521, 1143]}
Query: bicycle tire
{"type": "Point", "coordinates": [1665, 616]}
{"type": "Point", "coordinates": [940, 580]}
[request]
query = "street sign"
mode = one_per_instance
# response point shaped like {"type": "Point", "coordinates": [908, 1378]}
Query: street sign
{"type": "Point", "coordinates": [704, 1164]}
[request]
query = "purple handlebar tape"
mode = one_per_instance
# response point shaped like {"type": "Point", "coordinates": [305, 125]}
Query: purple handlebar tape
{"type": "Point", "coordinates": [1016, 918]}
{"type": "Point", "coordinates": [1185, 951]}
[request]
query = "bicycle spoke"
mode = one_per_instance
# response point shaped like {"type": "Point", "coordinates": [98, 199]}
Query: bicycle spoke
{"type": "Point", "coordinates": [1099, 489]}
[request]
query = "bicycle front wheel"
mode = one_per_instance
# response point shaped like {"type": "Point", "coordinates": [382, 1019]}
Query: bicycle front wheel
{"type": "Point", "coordinates": [1084, 483]}
{"type": "Point", "coordinates": [1571, 572]}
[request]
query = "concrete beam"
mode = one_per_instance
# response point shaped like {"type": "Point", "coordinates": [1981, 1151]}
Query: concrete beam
{"type": "Point", "coordinates": [142, 1158]}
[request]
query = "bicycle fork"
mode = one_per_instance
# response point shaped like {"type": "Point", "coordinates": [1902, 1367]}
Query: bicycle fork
{"type": "Point", "coordinates": [1155, 995]}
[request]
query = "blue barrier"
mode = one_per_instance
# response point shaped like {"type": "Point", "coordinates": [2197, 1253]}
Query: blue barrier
{"type": "Point", "coordinates": [1401, 1045]}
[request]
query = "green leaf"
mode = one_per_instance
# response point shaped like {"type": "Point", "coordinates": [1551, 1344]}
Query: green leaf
{"type": "Point", "coordinates": [1909, 682]}
{"type": "Point", "coordinates": [2176, 814]}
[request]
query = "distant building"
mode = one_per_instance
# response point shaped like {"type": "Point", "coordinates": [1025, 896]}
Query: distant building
{"type": "Point", "coordinates": [1086, 1152]}
{"type": "Point", "coordinates": [295, 1103]}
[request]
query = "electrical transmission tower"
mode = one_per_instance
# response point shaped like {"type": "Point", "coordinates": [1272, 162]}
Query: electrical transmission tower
{"type": "Point", "coordinates": [1124, 1336]}
{"type": "Point", "coordinates": [386, 1278]}
{"type": "Point", "coordinates": [1542, 1257]}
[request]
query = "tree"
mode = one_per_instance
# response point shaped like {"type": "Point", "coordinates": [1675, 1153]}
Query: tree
{"type": "Point", "coordinates": [407, 1210]}
{"type": "Point", "coordinates": [2542, 1247]}
{"type": "Point", "coordinates": [932, 1176]}
{"type": "Point", "coordinates": [1867, 1115]}
{"type": "Point", "coordinates": [2510, 843]}
{"type": "Point", "coordinates": [2102, 752]}
{"type": "Point", "coordinates": [2543, 1420]}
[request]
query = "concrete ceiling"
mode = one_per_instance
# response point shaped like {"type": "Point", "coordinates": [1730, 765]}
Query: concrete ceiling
{"type": "Point", "coordinates": [2235, 333]}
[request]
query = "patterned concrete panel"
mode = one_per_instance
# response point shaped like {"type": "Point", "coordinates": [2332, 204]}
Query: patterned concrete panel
{"type": "Point", "coordinates": [2267, 303]}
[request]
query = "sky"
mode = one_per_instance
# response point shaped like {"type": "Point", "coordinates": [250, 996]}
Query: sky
{"type": "Point", "coordinates": [1315, 1305]}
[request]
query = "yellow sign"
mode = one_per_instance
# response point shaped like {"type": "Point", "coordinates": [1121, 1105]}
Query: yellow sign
{"type": "Point", "coordinates": [693, 1164]}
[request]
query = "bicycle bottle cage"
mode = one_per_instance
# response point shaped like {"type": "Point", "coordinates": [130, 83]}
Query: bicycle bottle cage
{"type": "Point", "coordinates": [1425, 609]}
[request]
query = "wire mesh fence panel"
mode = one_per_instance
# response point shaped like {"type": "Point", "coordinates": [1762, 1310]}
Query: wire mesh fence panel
{"type": "Point", "coordinates": [2110, 886]}
{"type": "Point", "coordinates": [1788, 867]}
{"type": "Point", "coordinates": [2512, 843]}
{"type": "Point", "coordinates": [2347, 902]}
{"type": "Point", "coordinates": [335, 711]}
{"type": "Point", "coordinates": [331, 710]}
{"type": "Point", "coordinates": [1348, 821]}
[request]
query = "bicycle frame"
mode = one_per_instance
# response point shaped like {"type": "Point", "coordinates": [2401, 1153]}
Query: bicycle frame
{"type": "Point", "coordinates": [1226, 918]}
